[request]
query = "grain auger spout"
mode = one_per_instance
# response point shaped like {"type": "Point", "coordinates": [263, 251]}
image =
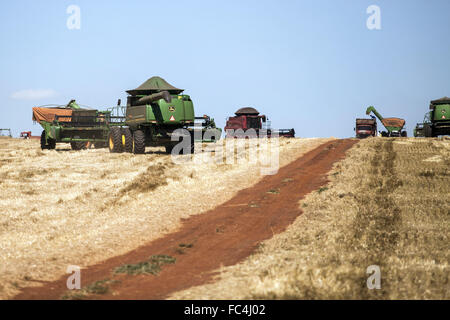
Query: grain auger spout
{"type": "Point", "coordinates": [153, 98]}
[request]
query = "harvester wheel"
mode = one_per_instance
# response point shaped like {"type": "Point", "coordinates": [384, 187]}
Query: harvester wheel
{"type": "Point", "coordinates": [43, 143]}
{"type": "Point", "coordinates": [428, 130]}
{"type": "Point", "coordinates": [50, 144]}
{"type": "Point", "coordinates": [127, 140]}
{"type": "Point", "coordinates": [115, 140]}
{"type": "Point", "coordinates": [404, 134]}
{"type": "Point", "coordinates": [138, 142]}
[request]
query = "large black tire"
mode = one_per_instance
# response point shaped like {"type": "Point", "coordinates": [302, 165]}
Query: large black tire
{"type": "Point", "coordinates": [43, 142]}
{"type": "Point", "coordinates": [384, 134]}
{"type": "Point", "coordinates": [115, 140]}
{"type": "Point", "coordinates": [404, 134]}
{"type": "Point", "coordinates": [128, 136]}
{"type": "Point", "coordinates": [428, 130]}
{"type": "Point", "coordinates": [49, 145]}
{"type": "Point", "coordinates": [138, 142]}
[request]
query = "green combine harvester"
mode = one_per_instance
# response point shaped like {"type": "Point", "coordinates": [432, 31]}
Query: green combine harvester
{"type": "Point", "coordinates": [394, 126]}
{"type": "Point", "coordinates": [155, 111]}
{"type": "Point", "coordinates": [436, 122]}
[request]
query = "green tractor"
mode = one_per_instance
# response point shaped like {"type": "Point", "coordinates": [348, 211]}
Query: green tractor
{"type": "Point", "coordinates": [210, 133]}
{"type": "Point", "coordinates": [394, 126]}
{"type": "Point", "coordinates": [72, 124]}
{"type": "Point", "coordinates": [423, 129]}
{"type": "Point", "coordinates": [436, 122]}
{"type": "Point", "coordinates": [154, 115]}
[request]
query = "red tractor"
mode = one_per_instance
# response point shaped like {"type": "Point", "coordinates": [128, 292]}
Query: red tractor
{"type": "Point", "coordinates": [27, 135]}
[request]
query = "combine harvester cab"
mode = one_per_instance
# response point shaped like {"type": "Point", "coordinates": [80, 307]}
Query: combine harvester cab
{"type": "Point", "coordinates": [394, 126]}
{"type": "Point", "coordinates": [437, 121]}
{"type": "Point", "coordinates": [248, 123]}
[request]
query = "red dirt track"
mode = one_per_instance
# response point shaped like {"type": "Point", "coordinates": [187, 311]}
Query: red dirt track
{"type": "Point", "coordinates": [222, 236]}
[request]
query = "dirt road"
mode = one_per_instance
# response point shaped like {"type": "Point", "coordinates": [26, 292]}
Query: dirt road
{"type": "Point", "coordinates": [220, 237]}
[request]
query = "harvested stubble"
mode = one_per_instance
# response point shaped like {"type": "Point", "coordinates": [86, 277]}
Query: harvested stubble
{"type": "Point", "coordinates": [379, 209]}
{"type": "Point", "coordinates": [63, 207]}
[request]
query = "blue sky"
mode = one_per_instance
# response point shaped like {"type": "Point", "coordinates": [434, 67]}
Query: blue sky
{"type": "Point", "coordinates": [311, 65]}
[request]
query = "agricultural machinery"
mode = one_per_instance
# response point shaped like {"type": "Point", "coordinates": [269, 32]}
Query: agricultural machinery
{"type": "Point", "coordinates": [437, 121]}
{"type": "Point", "coordinates": [393, 126]}
{"type": "Point", "coordinates": [75, 125]}
{"type": "Point", "coordinates": [5, 133]}
{"type": "Point", "coordinates": [27, 135]}
{"type": "Point", "coordinates": [155, 111]}
{"type": "Point", "coordinates": [365, 128]}
{"type": "Point", "coordinates": [210, 133]}
{"type": "Point", "coordinates": [248, 122]}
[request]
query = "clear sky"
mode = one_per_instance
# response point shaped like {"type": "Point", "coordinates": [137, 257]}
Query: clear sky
{"type": "Point", "coordinates": [312, 65]}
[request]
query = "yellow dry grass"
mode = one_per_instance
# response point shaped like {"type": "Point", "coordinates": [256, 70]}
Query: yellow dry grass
{"type": "Point", "coordinates": [387, 204]}
{"type": "Point", "coordinates": [63, 207]}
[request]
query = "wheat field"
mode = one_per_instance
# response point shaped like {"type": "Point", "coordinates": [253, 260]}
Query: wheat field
{"type": "Point", "coordinates": [62, 207]}
{"type": "Point", "coordinates": [387, 204]}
